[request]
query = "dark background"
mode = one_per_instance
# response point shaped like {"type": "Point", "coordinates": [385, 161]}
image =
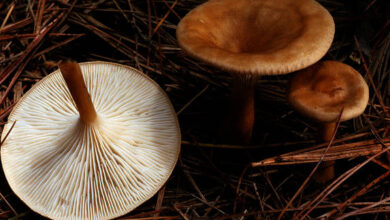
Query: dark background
{"type": "Point", "coordinates": [211, 180]}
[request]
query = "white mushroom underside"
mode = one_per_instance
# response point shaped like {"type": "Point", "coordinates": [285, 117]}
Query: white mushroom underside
{"type": "Point", "coordinates": [62, 168]}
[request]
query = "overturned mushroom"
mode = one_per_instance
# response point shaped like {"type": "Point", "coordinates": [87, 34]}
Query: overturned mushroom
{"type": "Point", "coordinates": [249, 38]}
{"type": "Point", "coordinates": [76, 155]}
{"type": "Point", "coordinates": [321, 92]}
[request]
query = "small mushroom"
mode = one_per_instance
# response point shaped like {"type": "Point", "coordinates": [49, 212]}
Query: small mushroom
{"type": "Point", "coordinates": [321, 92]}
{"type": "Point", "coordinates": [94, 146]}
{"type": "Point", "coordinates": [250, 38]}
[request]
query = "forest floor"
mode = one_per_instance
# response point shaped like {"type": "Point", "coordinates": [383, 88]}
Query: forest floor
{"type": "Point", "coordinates": [212, 179]}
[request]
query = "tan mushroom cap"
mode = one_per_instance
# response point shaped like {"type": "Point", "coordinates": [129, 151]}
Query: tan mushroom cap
{"type": "Point", "coordinates": [265, 37]}
{"type": "Point", "coordinates": [324, 89]}
{"type": "Point", "coordinates": [65, 169]}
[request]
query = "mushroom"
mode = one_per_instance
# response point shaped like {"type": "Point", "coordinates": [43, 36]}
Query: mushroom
{"type": "Point", "coordinates": [321, 92]}
{"type": "Point", "coordinates": [250, 38]}
{"type": "Point", "coordinates": [74, 155]}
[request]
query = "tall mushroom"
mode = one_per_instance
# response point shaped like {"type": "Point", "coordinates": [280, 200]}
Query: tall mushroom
{"type": "Point", "coordinates": [249, 38]}
{"type": "Point", "coordinates": [74, 155]}
{"type": "Point", "coordinates": [320, 92]}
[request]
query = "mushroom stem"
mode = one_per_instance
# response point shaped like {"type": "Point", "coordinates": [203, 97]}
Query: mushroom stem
{"type": "Point", "coordinates": [325, 171]}
{"type": "Point", "coordinates": [326, 131]}
{"type": "Point", "coordinates": [72, 74]}
{"type": "Point", "coordinates": [241, 113]}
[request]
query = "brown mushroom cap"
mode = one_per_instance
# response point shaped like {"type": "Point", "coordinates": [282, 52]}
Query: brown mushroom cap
{"type": "Point", "coordinates": [324, 89]}
{"type": "Point", "coordinates": [257, 36]}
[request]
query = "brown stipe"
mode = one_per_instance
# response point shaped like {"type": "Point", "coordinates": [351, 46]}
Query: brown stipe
{"type": "Point", "coordinates": [74, 80]}
{"type": "Point", "coordinates": [325, 171]}
{"type": "Point", "coordinates": [325, 131]}
{"type": "Point", "coordinates": [239, 123]}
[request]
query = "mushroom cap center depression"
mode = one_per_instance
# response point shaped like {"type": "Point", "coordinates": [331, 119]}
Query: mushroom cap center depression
{"type": "Point", "coordinates": [328, 85]}
{"type": "Point", "coordinates": [260, 28]}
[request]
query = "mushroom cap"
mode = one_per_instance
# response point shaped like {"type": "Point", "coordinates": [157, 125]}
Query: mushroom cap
{"type": "Point", "coordinates": [63, 168]}
{"type": "Point", "coordinates": [325, 88]}
{"type": "Point", "coordinates": [264, 37]}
